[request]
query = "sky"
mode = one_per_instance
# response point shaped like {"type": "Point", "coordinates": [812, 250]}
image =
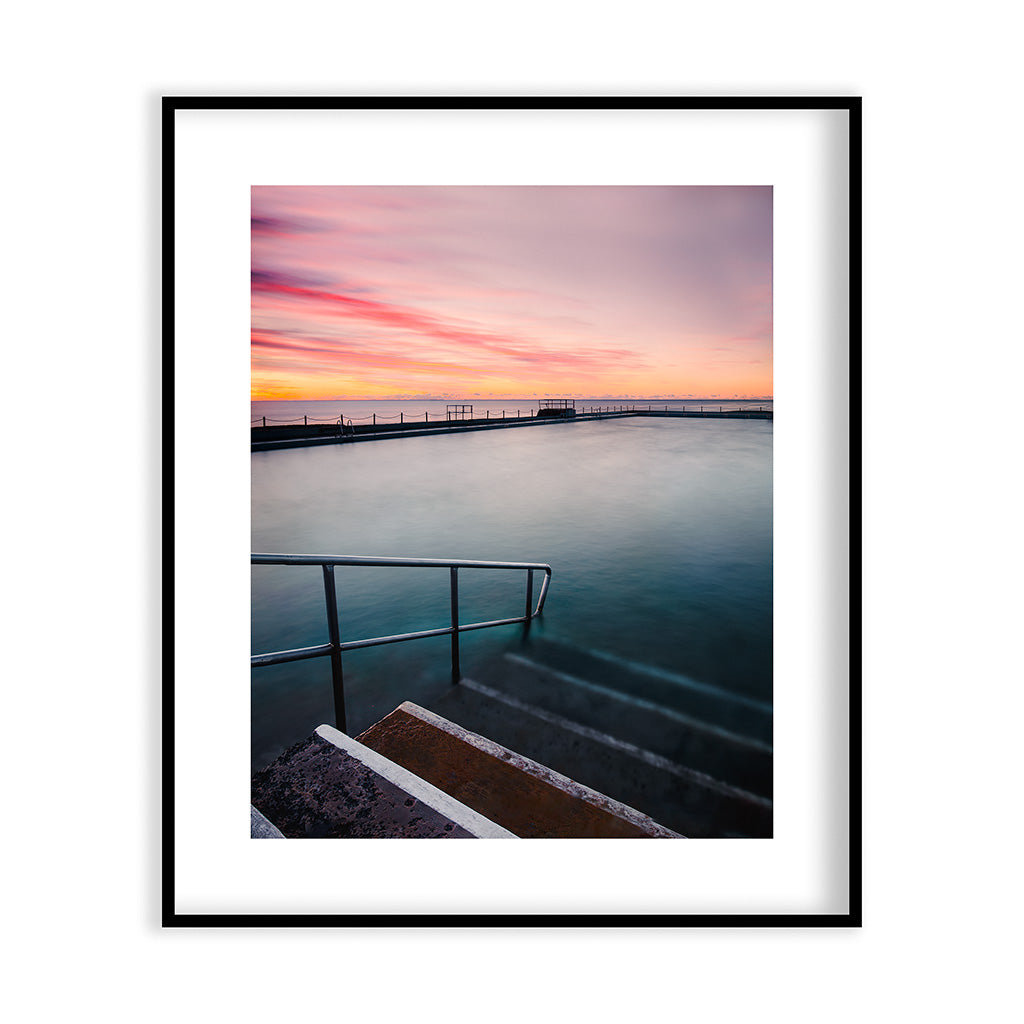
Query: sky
{"type": "Point", "coordinates": [518, 291]}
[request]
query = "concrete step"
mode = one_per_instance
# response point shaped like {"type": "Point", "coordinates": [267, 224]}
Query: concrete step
{"type": "Point", "coordinates": [640, 722]}
{"type": "Point", "coordinates": [527, 798]}
{"type": "Point", "coordinates": [703, 702]}
{"type": "Point", "coordinates": [330, 786]}
{"type": "Point", "coordinates": [681, 798]}
{"type": "Point", "coordinates": [260, 828]}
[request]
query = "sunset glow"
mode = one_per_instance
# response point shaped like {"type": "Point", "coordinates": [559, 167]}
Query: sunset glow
{"type": "Point", "coordinates": [363, 292]}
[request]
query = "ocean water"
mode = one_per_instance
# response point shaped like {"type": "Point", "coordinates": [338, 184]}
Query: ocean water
{"type": "Point", "coordinates": [321, 411]}
{"type": "Point", "coordinates": [659, 532]}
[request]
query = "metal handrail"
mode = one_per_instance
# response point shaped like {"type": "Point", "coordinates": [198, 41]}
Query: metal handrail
{"type": "Point", "coordinates": [334, 647]}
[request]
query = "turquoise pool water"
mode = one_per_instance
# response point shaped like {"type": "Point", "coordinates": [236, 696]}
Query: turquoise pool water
{"type": "Point", "coordinates": [659, 532]}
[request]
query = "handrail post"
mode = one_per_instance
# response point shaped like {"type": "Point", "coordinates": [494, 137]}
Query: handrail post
{"type": "Point", "coordinates": [334, 635]}
{"type": "Point", "coordinates": [456, 669]}
{"type": "Point", "coordinates": [528, 619]}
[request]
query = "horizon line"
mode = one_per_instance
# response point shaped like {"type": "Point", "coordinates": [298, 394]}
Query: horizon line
{"type": "Point", "coordinates": [523, 398]}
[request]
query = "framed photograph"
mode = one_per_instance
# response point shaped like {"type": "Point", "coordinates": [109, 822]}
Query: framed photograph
{"type": "Point", "coordinates": [514, 539]}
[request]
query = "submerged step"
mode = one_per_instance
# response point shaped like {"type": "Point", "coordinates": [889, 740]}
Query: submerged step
{"type": "Point", "coordinates": [330, 786]}
{"type": "Point", "coordinates": [736, 713]}
{"type": "Point", "coordinates": [679, 737]}
{"type": "Point", "coordinates": [526, 797]}
{"type": "Point", "coordinates": [688, 801]}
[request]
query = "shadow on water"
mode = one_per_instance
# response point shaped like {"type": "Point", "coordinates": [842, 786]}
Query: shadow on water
{"type": "Point", "coordinates": [659, 533]}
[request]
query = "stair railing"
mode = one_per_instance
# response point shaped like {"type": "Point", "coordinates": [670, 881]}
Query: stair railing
{"type": "Point", "coordinates": [335, 646]}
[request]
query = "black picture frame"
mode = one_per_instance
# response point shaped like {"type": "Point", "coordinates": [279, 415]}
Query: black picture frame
{"type": "Point", "coordinates": [851, 431]}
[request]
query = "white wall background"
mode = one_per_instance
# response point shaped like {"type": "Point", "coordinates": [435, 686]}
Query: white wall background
{"type": "Point", "coordinates": [942, 553]}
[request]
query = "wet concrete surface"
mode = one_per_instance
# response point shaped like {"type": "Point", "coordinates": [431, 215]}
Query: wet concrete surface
{"type": "Point", "coordinates": [314, 790]}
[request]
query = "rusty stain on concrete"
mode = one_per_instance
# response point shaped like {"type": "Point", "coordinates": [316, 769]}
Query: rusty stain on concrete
{"type": "Point", "coordinates": [528, 799]}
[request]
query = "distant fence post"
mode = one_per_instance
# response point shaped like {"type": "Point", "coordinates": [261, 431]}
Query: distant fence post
{"type": "Point", "coordinates": [264, 421]}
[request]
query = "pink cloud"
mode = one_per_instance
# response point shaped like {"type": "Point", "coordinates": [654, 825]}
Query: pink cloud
{"type": "Point", "coordinates": [403, 318]}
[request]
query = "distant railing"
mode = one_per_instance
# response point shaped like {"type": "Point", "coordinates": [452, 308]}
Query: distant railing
{"type": "Point", "coordinates": [334, 647]}
{"type": "Point", "coordinates": [465, 412]}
